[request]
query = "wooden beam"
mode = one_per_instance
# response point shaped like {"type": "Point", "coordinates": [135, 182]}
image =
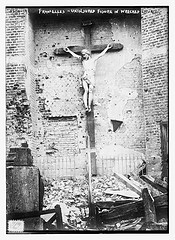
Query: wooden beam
{"type": "Point", "coordinates": [89, 177]}
{"type": "Point", "coordinates": [93, 48]}
{"type": "Point", "coordinates": [128, 183]}
{"type": "Point", "coordinates": [90, 127]}
{"type": "Point", "coordinates": [29, 214]}
{"type": "Point", "coordinates": [87, 33]}
{"type": "Point", "coordinates": [111, 204]}
{"type": "Point", "coordinates": [149, 208]}
{"type": "Point", "coordinates": [125, 211]}
{"type": "Point", "coordinates": [154, 184]}
{"type": "Point", "coordinates": [132, 210]}
{"type": "Point", "coordinates": [99, 48]}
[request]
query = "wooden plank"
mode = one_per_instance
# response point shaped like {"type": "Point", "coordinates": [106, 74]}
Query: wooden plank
{"type": "Point", "coordinates": [99, 48]}
{"type": "Point", "coordinates": [90, 126]}
{"type": "Point", "coordinates": [124, 193]}
{"type": "Point", "coordinates": [52, 219]}
{"type": "Point", "coordinates": [93, 48]}
{"type": "Point", "coordinates": [29, 214]}
{"type": "Point", "coordinates": [87, 33]}
{"type": "Point", "coordinates": [132, 210]}
{"type": "Point", "coordinates": [161, 183]}
{"type": "Point", "coordinates": [89, 177]}
{"type": "Point", "coordinates": [154, 184]}
{"type": "Point", "coordinates": [128, 183]}
{"type": "Point", "coordinates": [149, 208]}
{"type": "Point", "coordinates": [110, 204]}
{"type": "Point", "coordinates": [125, 211]}
{"type": "Point", "coordinates": [159, 201]}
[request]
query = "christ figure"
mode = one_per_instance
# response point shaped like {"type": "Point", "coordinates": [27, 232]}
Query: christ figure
{"type": "Point", "coordinates": [88, 78]}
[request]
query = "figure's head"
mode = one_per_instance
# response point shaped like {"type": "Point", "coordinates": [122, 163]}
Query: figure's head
{"type": "Point", "coordinates": [85, 54]}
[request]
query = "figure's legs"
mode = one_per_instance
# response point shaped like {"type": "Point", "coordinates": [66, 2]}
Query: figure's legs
{"type": "Point", "coordinates": [91, 88]}
{"type": "Point", "coordinates": [85, 95]}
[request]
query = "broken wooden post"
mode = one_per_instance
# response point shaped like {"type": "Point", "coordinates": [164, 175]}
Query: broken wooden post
{"type": "Point", "coordinates": [59, 220]}
{"type": "Point", "coordinates": [149, 208]}
{"type": "Point", "coordinates": [98, 221]}
{"type": "Point", "coordinates": [150, 213]}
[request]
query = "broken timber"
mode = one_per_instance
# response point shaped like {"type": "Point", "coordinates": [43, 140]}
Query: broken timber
{"type": "Point", "coordinates": [132, 210]}
{"type": "Point", "coordinates": [112, 204]}
{"type": "Point", "coordinates": [148, 202]}
{"type": "Point", "coordinates": [128, 183]}
{"type": "Point", "coordinates": [162, 188]}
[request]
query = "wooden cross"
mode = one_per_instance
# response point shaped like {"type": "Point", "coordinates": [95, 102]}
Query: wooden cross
{"type": "Point", "coordinates": [90, 123]}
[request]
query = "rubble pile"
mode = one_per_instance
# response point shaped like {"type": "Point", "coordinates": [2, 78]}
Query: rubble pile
{"type": "Point", "coordinates": [119, 203]}
{"type": "Point", "coordinates": [72, 196]}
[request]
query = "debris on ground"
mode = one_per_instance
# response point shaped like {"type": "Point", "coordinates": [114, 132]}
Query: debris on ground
{"type": "Point", "coordinates": [72, 196]}
{"type": "Point", "coordinates": [119, 203]}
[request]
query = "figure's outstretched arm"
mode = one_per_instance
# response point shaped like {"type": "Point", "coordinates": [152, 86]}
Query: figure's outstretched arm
{"type": "Point", "coordinates": [72, 53]}
{"type": "Point", "coordinates": [110, 45]}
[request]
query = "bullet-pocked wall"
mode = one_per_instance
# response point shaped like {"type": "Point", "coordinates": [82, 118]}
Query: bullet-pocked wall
{"type": "Point", "coordinates": [61, 136]}
{"type": "Point", "coordinates": [61, 117]}
{"type": "Point", "coordinates": [118, 92]}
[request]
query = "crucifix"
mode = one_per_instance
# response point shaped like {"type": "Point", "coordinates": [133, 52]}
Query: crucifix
{"type": "Point", "coordinates": [88, 79]}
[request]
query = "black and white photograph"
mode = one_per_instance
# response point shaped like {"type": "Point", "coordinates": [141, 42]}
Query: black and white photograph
{"type": "Point", "coordinates": [87, 119]}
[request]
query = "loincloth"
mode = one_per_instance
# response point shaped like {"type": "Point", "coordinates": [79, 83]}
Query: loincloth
{"type": "Point", "coordinates": [89, 79]}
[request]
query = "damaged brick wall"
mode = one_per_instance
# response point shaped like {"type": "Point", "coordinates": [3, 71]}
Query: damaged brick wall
{"type": "Point", "coordinates": [155, 81]}
{"type": "Point", "coordinates": [18, 111]}
{"type": "Point", "coordinates": [20, 97]}
{"type": "Point", "coordinates": [118, 93]}
{"type": "Point", "coordinates": [61, 115]}
{"type": "Point", "coordinates": [61, 148]}
{"type": "Point", "coordinates": [59, 90]}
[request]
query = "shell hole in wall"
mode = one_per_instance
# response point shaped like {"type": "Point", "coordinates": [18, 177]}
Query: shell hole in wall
{"type": "Point", "coordinates": [116, 124]}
